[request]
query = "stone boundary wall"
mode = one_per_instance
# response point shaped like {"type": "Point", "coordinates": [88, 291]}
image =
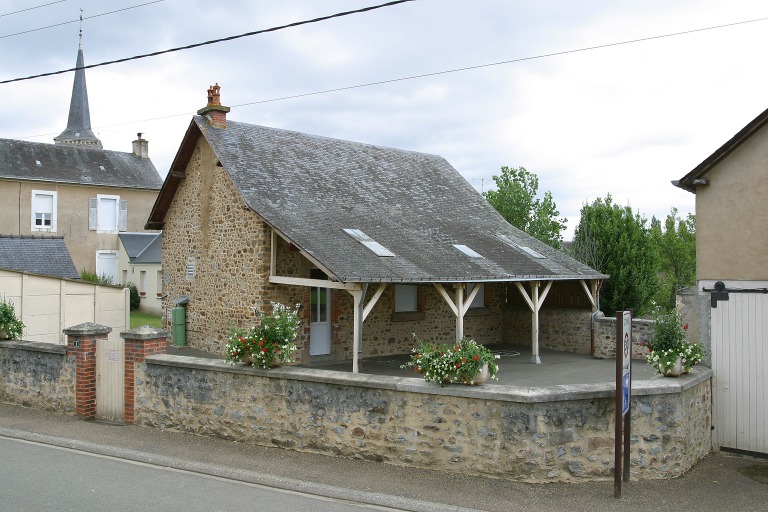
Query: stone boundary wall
{"type": "Point", "coordinates": [605, 337]}
{"type": "Point", "coordinates": [563, 433]}
{"type": "Point", "coordinates": [37, 374]}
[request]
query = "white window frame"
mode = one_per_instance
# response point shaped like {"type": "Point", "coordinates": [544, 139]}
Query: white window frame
{"type": "Point", "coordinates": [117, 264]}
{"type": "Point", "coordinates": [406, 298]}
{"type": "Point", "coordinates": [121, 214]}
{"type": "Point", "coordinates": [54, 206]}
{"type": "Point", "coordinates": [479, 301]}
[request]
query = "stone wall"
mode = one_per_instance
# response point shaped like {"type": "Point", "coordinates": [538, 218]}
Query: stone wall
{"type": "Point", "coordinates": [37, 374]}
{"type": "Point", "coordinates": [605, 337]}
{"type": "Point", "coordinates": [563, 329]}
{"type": "Point", "coordinates": [543, 435]}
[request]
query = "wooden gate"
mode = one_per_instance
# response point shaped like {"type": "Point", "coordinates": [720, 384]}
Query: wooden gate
{"type": "Point", "coordinates": [110, 375]}
{"type": "Point", "coordinates": [740, 367]}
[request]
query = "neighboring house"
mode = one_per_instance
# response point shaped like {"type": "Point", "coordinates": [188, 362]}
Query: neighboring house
{"type": "Point", "coordinates": [76, 189]}
{"type": "Point", "coordinates": [374, 243]}
{"type": "Point", "coordinates": [140, 263]}
{"type": "Point", "coordinates": [43, 255]}
{"type": "Point", "coordinates": [731, 187]}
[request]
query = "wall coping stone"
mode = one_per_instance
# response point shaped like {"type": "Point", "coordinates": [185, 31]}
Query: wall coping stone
{"type": "Point", "coordinates": [87, 329]}
{"type": "Point", "coordinates": [658, 385]}
{"type": "Point", "coordinates": [145, 332]}
{"type": "Point", "coordinates": [34, 346]}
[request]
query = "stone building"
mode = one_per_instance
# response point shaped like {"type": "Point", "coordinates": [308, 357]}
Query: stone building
{"type": "Point", "coordinates": [374, 243]}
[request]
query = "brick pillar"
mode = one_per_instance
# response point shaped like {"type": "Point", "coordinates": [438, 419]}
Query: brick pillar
{"type": "Point", "coordinates": [81, 344]}
{"type": "Point", "coordinates": [139, 343]}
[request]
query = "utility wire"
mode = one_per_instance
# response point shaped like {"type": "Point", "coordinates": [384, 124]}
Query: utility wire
{"type": "Point", "coordinates": [32, 8]}
{"type": "Point", "coordinates": [79, 19]}
{"type": "Point", "coordinates": [213, 41]}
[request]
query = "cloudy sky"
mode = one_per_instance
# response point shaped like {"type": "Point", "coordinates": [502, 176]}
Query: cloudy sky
{"type": "Point", "coordinates": [623, 119]}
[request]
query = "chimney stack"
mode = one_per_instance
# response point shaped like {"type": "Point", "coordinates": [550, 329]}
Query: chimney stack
{"type": "Point", "coordinates": [214, 111]}
{"type": "Point", "coordinates": [141, 146]}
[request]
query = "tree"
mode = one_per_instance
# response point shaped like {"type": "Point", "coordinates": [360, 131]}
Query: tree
{"type": "Point", "coordinates": [515, 199]}
{"type": "Point", "coordinates": [676, 246]}
{"type": "Point", "coordinates": [620, 245]}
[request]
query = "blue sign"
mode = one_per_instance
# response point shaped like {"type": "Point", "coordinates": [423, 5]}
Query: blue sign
{"type": "Point", "coordinates": [625, 394]}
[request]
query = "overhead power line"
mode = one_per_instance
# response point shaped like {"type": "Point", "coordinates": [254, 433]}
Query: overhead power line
{"type": "Point", "coordinates": [214, 41]}
{"type": "Point", "coordinates": [32, 8]}
{"type": "Point", "coordinates": [437, 73]}
{"type": "Point", "coordinates": [79, 19]}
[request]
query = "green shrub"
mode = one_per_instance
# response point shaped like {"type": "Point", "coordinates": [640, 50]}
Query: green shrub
{"type": "Point", "coordinates": [135, 300]}
{"type": "Point", "coordinates": [9, 323]}
{"type": "Point", "coordinates": [93, 277]}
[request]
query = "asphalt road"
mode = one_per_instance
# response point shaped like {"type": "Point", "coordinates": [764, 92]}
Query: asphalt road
{"type": "Point", "coordinates": [37, 477]}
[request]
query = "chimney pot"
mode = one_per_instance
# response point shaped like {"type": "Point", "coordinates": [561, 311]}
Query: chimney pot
{"type": "Point", "coordinates": [214, 111]}
{"type": "Point", "coordinates": [141, 147]}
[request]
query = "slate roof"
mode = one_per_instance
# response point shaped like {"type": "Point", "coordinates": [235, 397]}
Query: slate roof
{"type": "Point", "coordinates": [77, 165]}
{"type": "Point", "coordinates": [143, 248]}
{"type": "Point", "coordinates": [44, 255]}
{"type": "Point", "coordinates": [701, 170]}
{"type": "Point", "coordinates": [310, 188]}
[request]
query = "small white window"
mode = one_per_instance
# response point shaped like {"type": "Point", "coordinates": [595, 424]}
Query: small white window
{"type": "Point", "coordinates": [43, 210]}
{"type": "Point", "coordinates": [468, 251]}
{"type": "Point", "coordinates": [143, 283]}
{"type": "Point", "coordinates": [406, 298]}
{"type": "Point", "coordinates": [479, 300]}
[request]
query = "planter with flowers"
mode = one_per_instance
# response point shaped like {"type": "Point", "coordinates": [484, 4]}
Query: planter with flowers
{"type": "Point", "coordinates": [464, 361]}
{"type": "Point", "coordinates": [10, 326]}
{"type": "Point", "coordinates": [669, 352]}
{"type": "Point", "coordinates": [269, 344]}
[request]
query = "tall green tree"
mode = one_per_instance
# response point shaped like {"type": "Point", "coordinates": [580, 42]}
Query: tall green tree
{"type": "Point", "coordinates": [615, 241]}
{"type": "Point", "coordinates": [675, 243]}
{"type": "Point", "coordinates": [515, 198]}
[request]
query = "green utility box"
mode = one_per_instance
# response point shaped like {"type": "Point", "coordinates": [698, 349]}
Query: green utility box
{"type": "Point", "coordinates": [179, 321]}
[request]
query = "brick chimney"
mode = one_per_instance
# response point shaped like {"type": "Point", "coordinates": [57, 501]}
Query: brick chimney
{"type": "Point", "coordinates": [141, 146]}
{"type": "Point", "coordinates": [214, 111]}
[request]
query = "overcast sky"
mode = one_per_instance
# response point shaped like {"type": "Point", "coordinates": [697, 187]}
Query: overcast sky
{"type": "Point", "coordinates": [623, 119]}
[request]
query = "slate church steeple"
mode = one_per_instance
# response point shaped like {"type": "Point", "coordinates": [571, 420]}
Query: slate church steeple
{"type": "Point", "coordinates": [78, 131]}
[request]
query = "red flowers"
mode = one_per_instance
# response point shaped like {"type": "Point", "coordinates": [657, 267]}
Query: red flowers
{"type": "Point", "coordinates": [476, 358]}
{"type": "Point", "coordinates": [685, 327]}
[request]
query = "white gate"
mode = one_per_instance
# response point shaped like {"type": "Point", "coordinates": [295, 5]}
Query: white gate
{"type": "Point", "coordinates": [740, 367]}
{"type": "Point", "coordinates": [110, 377]}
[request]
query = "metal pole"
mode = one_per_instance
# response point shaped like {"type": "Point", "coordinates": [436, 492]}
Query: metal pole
{"type": "Point", "coordinates": [618, 445]}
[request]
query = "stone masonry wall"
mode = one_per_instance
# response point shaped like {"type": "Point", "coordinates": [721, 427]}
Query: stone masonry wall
{"type": "Point", "coordinates": [566, 330]}
{"type": "Point", "coordinates": [605, 337]}
{"type": "Point", "coordinates": [494, 430]}
{"type": "Point", "coordinates": [37, 375]}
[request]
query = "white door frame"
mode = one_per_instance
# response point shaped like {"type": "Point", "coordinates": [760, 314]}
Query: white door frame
{"type": "Point", "coordinates": [320, 329]}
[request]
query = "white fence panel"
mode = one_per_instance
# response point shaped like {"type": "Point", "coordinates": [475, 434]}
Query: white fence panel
{"type": "Point", "coordinates": [47, 305]}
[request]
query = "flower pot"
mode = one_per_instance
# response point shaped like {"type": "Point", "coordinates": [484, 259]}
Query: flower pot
{"type": "Point", "coordinates": [676, 370]}
{"type": "Point", "coordinates": [480, 377]}
{"type": "Point", "coordinates": [248, 359]}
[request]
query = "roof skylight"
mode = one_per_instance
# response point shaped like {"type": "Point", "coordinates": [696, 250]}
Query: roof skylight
{"type": "Point", "coordinates": [467, 251]}
{"type": "Point", "coordinates": [370, 243]}
{"type": "Point", "coordinates": [530, 252]}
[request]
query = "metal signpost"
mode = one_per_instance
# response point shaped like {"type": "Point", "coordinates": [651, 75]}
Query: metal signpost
{"type": "Point", "coordinates": [623, 396]}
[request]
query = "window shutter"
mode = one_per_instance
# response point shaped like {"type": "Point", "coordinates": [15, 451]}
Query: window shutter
{"type": "Point", "coordinates": [93, 205]}
{"type": "Point", "coordinates": [122, 222]}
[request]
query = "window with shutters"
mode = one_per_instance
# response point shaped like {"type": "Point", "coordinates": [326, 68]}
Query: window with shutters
{"type": "Point", "coordinates": [107, 214]}
{"type": "Point", "coordinates": [43, 210]}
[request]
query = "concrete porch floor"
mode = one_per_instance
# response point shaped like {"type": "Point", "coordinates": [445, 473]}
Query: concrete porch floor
{"type": "Point", "coordinates": [556, 368]}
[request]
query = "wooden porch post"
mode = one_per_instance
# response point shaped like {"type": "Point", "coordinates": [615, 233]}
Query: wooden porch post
{"type": "Point", "coordinates": [534, 302]}
{"type": "Point", "coordinates": [459, 294]}
{"type": "Point", "coordinates": [357, 298]}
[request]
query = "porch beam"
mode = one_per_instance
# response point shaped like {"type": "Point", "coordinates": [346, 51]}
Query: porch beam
{"type": "Point", "coordinates": [535, 300]}
{"type": "Point", "coordinates": [317, 283]}
{"type": "Point", "coordinates": [471, 298]}
{"type": "Point", "coordinates": [447, 298]}
{"type": "Point", "coordinates": [591, 294]}
{"type": "Point", "coordinates": [374, 300]}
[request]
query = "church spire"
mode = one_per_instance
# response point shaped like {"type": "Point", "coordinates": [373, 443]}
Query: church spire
{"type": "Point", "coordinates": [78, 132]}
